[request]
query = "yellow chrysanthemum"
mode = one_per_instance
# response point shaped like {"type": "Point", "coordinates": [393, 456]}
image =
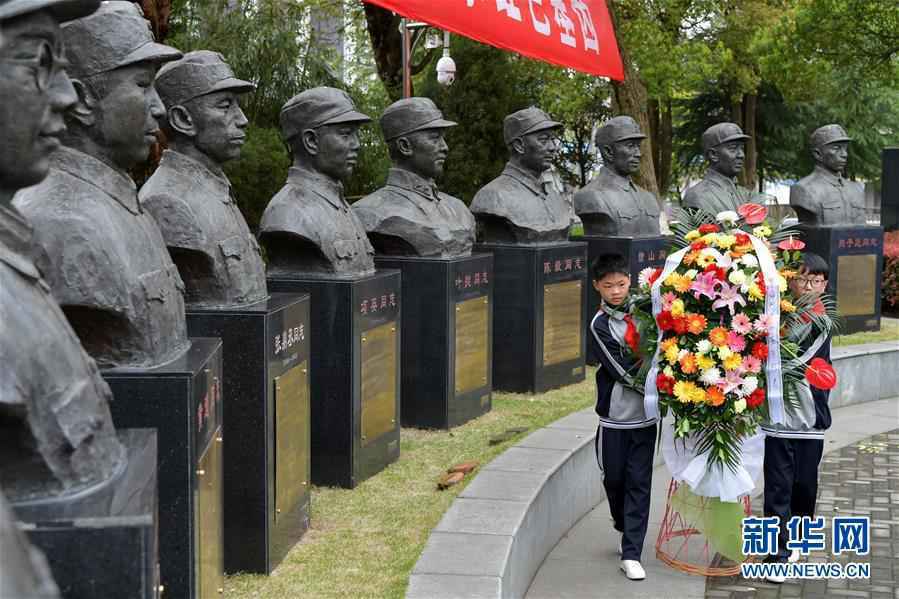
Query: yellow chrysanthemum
{"type": "Point", "coordinates": [705, 361]}
{"type": "Point", "coordinates": [671, 354]}
{"type": "Point", "coordinates": [732, 362]}
{"type": "Point", "coordinates": [724, 352]}
{"type": "Point", "coordinates": [677, 307]}
{"type": "Point", "coordinates": [788, 274]}
{"type": "Point", "coordinates": [787, 306]}
{"type": "Point", "coordinates": [782, 283]}
{"type": "Point", "coordinates": [725, 241]}
{"type": "Point", "coordinates": [697, 395]}
{"type": "Point", "coordinates": [755, 293]}
{"type": "Point", "coordinates": [762, 231]}
{"type": "Point", "coordinates": [684, 391]}
{"type": "Point", "coordinates": [694, 234]}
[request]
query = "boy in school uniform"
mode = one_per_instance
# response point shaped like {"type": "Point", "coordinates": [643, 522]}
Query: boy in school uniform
{"type": "Point", "coordinates": [793, 450]}
{"type": "Point", "coordinates": [625, 439]}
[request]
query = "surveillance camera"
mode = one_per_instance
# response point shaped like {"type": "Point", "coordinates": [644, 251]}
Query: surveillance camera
{"type": "Point", "coordinates": [446, 70]}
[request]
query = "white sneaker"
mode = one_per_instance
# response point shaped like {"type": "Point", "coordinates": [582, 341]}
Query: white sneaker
{"type": "Point", "coordinates": [632, 569]}
{"type": "Point", "coordinates": [775, 578]}
{"type": "Point", "coordinates": [794, 556]}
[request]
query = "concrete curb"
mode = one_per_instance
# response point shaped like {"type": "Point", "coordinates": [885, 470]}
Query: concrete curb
{"type": "Point", "coordinates": [498, 531]}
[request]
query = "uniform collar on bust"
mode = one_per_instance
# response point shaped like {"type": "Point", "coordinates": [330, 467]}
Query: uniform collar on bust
{"type": "Point", "coordinates": [93, 171]}
{"type": "Point", "coordinates": [718, 178]}
{"type": "Point", "coordinates": [828, 175]}
{"type": "Point", "coordinates": [610, 176]}
{"type": "Point", "coordinates": [410, 181]}
{"type": "Point", "coordinates": [525, 178]}
{"type": "Point", "coordinates": [15, 241]}
{"type": "Point", "coordinates": [319, 183]}
{"type": "Point", "coordinates": [216, 183]}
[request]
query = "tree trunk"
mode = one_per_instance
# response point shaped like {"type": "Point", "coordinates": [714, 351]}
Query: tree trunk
{"type": "Point", "coordinates": [749, 166]}
{"type": "Point", "coordinates": [158, 13]}
{"type": "Point", "coordinates": [666, 149]}
{"type": "Point", "coordinates": [387, 45]}
{"type": "Point", "coordinates": [629, 97]}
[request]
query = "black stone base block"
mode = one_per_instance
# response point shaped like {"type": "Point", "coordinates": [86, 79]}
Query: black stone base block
{"type": "Point", "coordinates": [855, 256]}
{"type": "Point", "coordinates": [355, 359]}
{"type": "Point", "coordinates": [182, 400]}
{"type": "Point", "coordinates": [265, 357]}
{"type": "Point", "coordinates": [640, 252]}
{"type": "Point", "coordinates": [540, 304]}
{"type": "Point", "coordinates": [102, 542]}
{"type": "Point", "coordinates": [447, 333]}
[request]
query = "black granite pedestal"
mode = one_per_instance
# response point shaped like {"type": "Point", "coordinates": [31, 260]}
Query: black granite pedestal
{"type": "Point", "coordinates": [102, 541]}
{"type": "Point", "coordinates": [265, 360]}
{"type": "Point", "coordinates": [540, 304]}
{"type": "Point", "coordinates": [355, 349]}
{"type": "Point", "coordinates": [447, 334]}
{"type": "Point", "coordinates": [855, 256]}
{"type": "Point", "coordinates": [182, 400]}
{"type": "Point", "coordinates": [640, 253]}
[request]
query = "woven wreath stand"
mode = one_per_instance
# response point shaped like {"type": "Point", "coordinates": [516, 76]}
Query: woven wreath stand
{"type": "Point", "coordinates": [684, 548]}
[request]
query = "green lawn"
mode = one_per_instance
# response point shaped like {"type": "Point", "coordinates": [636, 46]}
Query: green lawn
{"type": "Point", "coordinates": [365, 542]}
{"type": "Point", "coordinates": [889, 331]}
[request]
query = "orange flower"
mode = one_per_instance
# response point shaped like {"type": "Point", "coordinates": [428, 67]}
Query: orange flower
{"type": "Point", "coordinates": [690, 258]}
{"type": "Point", "coordinates": [718, 336]}
{"type": "Point", "coordinates": [696, 323]}
{"type": "Point", "coordinates": [688, 364]}
{"type": "Point", "coordinates": [669, 342]}
{"type": "Point", "coordinates": [714, 396]}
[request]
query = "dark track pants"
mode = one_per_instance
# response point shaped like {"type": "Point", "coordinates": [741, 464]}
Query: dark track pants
{"type": "Point", "coordinates": [626, 457]}
{"type": "Point", "coordinates": [791, 481]}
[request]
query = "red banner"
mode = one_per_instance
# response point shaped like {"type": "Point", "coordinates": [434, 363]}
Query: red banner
{"type": "Point", "coordinates": [572, 33]}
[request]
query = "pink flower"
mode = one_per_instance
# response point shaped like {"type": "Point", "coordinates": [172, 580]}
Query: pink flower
{"type": "Point", "coordinates": [735, 341]}
{"type": "Point", "coordinates": [728, 297]}
{"type": "Point", "coordinates": [668, 299]}
{"type": "Point", "coordinates": [762, 323]}
{"type": "Point", "coordinates": [741, 324]}
{"type": "Point", "coordinates": [732, 380]}
{"type": "Point", "coordinates": [704, 284]}
{"type": "Point", "coordinates": [751, 364]}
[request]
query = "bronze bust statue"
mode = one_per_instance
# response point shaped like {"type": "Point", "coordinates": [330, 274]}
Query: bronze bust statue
{"type": "Point", "coordinates": [190, 196]}
{"type": "Point", "coordinates": [611, 204]}
{"type": "Point", "coordinates": [824, 198]}
{"type": "Point", "coordinates": [308, 228]}
{"type": "Point", "coordinates": [409, 216]}
{"type": "Point", "coordinates": [520, 206]}
{"type": "Point", "coordinates": [724, 148]}
{"type": "Point", "coordinates": [56, 432]}
{"type": "Point", "coordinates": [101, 252]}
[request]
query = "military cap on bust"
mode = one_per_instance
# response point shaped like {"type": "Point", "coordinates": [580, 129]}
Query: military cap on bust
{"type": "Point", "coordinates": [115, 36]}
{"type": "Point", "coordinates": [524, 122]}
{"type": "Point", "coordinates": [619, 128]}
{"type": "Point", "coordinates": [197, 74]}
{"type": "Point", "coordinates": [722, 133]}
{"type": "Point", "coordinates": [316, 107]}
{"type": "Point", "coordinates": [62, 10]}
{"type": "Point", "coordinates": [412, 114]}
{"type": "Point", "coordinates": [828, 134]}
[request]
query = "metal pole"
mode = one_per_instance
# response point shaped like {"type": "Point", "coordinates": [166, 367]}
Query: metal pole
{"type": "Point", "coordinates": [407, 60]}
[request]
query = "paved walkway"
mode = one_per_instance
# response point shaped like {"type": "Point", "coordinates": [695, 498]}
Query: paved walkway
{"type": "Point", "coordinates": [854, 476]}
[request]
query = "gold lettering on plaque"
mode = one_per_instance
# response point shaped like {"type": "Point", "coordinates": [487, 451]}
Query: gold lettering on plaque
{"type": "Point", "coordinates": [471, 344]}
{"type": "Point", "coordinates": [209, 520]}
{"type": "Point", "coordinates": [562, 327]}
{"type": "Point", "coordinates": [292, 432]}
{"type": "Point", "coordinates": [856, 284]}
{"type": "Point", "coordinates": [379, 387]}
